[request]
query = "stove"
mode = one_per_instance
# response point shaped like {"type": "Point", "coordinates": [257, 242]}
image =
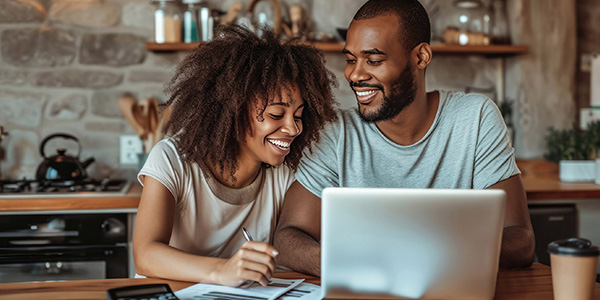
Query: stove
{"type": "Point", "coordinates": [26, 188]}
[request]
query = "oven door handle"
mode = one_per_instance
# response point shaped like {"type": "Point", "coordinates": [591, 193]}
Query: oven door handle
{"type": "Point", "coordinates": [36, 242]}
{"type": "Point", "coordinates": [21, 234]}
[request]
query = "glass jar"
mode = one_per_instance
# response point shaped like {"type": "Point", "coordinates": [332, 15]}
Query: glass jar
{"type": "Point", "coordinates": [205, 22]}
{"type": "Point", "coordinates": [190, 21]}
{"type": "Point", "coordinates": [167, 21]}
{"type": "Point", "coordinates": [467, 22]}
{"type": "Point", "coordinates": [499, 33]}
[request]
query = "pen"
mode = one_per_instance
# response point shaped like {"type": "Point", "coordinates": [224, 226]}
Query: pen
{"type": "Point", "coordinates": [247, 235]}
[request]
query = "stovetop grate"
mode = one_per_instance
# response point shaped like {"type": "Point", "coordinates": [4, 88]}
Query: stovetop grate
{"type": "Point", "coordinates": [26, 186]}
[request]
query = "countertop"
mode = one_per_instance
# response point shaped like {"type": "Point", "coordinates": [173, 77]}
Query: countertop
{"type": "Point", "coordinates": [540, 179]}
{"type": "Point", "coordinates": [95, 201]}
{"type": "Point", "coordinates": [534, 282]}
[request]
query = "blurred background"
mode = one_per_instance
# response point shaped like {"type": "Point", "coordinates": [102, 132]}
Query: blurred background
{"type": "Point", "coordinates": [65, 63]}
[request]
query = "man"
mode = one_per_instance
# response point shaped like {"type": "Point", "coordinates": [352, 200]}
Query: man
{"type": "Point", "coordinates": [402, 136]}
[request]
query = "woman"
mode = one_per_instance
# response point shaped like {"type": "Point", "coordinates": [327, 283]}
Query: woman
{"type": "Point", "coordinates": [243, 109]}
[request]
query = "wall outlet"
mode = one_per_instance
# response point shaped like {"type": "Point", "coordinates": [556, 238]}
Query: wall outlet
{"type": "Point", "coordinates": [131, 146]}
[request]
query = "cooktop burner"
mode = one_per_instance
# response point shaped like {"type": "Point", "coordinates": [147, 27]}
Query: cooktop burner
{"type": "Point", "coordinates": [70, 187]}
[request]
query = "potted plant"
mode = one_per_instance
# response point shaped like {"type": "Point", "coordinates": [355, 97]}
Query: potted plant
{"type": "Point", "coordinates": [574, 151]}
{"type": "Point", "coordinates": [593, 136]}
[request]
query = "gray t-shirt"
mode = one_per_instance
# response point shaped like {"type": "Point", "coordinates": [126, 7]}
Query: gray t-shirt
{"type": "Point", "coordinates": [467, 147]}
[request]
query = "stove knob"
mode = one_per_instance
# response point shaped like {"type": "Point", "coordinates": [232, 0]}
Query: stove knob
{"type": "Point", "coordinates": [113, 227]}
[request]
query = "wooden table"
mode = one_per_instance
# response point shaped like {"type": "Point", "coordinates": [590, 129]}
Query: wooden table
{"type": "Point", "coordinates": [528, 283]}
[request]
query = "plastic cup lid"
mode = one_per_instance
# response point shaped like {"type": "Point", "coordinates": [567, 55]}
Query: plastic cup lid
{"type": "Point", "coordinates": [573, 247]}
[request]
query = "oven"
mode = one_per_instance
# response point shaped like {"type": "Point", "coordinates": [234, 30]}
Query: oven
{"type": "Point", "coordinates": [63, 245]}
{"type": "Point", "coordinates": [41, 247]}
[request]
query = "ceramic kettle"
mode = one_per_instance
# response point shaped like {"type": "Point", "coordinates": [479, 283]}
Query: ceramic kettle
{"type": "Point", "coordinates": [62, 166]}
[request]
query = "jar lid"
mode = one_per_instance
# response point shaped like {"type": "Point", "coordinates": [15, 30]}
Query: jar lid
{"type": "Point", "coordinates": [468, 3]}
{"type": "Point", "coordinates": [573, 247]}
{"type": "Point", "coordinates": [191, 1]}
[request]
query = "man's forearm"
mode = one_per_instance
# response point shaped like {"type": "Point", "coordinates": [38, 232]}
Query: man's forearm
{"type": "Point", "coordinates": [518, 247]}
{"type": "Point", "coordinates": [298, 251]}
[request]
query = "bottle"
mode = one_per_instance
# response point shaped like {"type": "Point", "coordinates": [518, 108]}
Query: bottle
{"type": "Point", "coordinates": [205, 22]}
{"type": "Point", "coordinates": [190, 21]}
{"type": "Point", "coordinates": [500, 34]}
{"type": "Point", "coordinates": [167, 22]}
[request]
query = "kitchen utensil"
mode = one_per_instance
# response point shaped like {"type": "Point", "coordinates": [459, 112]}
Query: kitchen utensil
{"type": "Point", "coordinates": [232, 13]}
{"type": "Point", "coordinates": [150, 112]}
{"type": "Point", "coordinates": [166, 115]}
{"type": "Point", "coordinates": [62, 166]}
{"type": "Point", "coordinates": [144, 118]}
{"type": "Point", "coordinates": [154, 120]}
{"type": "Point", "coordinates": [133, 115]}
{"type": "Point", "coordinates": [148, 139]}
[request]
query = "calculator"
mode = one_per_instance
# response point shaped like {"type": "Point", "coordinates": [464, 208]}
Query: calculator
{"type": "Point", "coordinates": [160, 291]}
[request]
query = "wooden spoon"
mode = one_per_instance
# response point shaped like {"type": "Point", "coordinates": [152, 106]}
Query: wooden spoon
{"type": "Point", "coordinates": [148, 139]}
{"type": "Point", "coordinates": [166, 115]}
{"type": "Point", "coordinates": [128, 105]}
{"type": "Point", "coordinates": [154, 120]}
{"type": "Point", "coordinates": [232, 13]}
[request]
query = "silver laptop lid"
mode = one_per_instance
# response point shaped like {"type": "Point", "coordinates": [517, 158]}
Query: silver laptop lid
{"type": "Point", "coordinates": [414, 243]}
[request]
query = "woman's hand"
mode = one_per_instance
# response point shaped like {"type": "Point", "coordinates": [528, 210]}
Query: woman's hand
{"type": "Point", "coordinates": [254, 261]}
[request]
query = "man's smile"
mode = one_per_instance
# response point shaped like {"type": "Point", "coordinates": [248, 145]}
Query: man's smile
{"type": "Point", "coordinates": [365, 96]}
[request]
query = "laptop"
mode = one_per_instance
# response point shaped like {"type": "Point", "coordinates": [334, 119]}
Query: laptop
{"type": "Point", "coordinates": [412, 243]}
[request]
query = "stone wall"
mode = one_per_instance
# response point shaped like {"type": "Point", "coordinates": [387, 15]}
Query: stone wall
{"type": "Point", "coordinates": [64, 64]}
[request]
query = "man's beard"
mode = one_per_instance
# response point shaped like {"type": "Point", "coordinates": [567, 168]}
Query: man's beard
{"type": "Point", "coordinates": [402, 94]}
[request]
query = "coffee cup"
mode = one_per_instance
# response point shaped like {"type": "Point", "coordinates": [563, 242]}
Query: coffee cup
{"type": "Point", "coordinates": [573, 262]}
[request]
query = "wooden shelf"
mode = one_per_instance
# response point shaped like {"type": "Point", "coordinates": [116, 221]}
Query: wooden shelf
{"type": "Point", "coordinates": [170, 46]}
{"type": "Point", "coordinates": [337, 47]}
{"type": "Point", "coordinates": [483, 50]}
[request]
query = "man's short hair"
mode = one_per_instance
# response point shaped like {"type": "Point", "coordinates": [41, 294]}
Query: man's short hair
{"type": "Point", "coordinates": [413, 19]}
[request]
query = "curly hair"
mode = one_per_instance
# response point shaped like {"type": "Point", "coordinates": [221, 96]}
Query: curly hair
{"type": "Point", "coordinates": [218, 84]}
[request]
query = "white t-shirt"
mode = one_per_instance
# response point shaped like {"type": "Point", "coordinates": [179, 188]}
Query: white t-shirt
{"type": "Point", "coordinates": [207, 221]}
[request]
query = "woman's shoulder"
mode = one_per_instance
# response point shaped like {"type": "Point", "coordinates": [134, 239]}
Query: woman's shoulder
{"type": "Point", "coordinates": [165, 145]}
{"type": "Point", "coordinates": [164, 157]}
